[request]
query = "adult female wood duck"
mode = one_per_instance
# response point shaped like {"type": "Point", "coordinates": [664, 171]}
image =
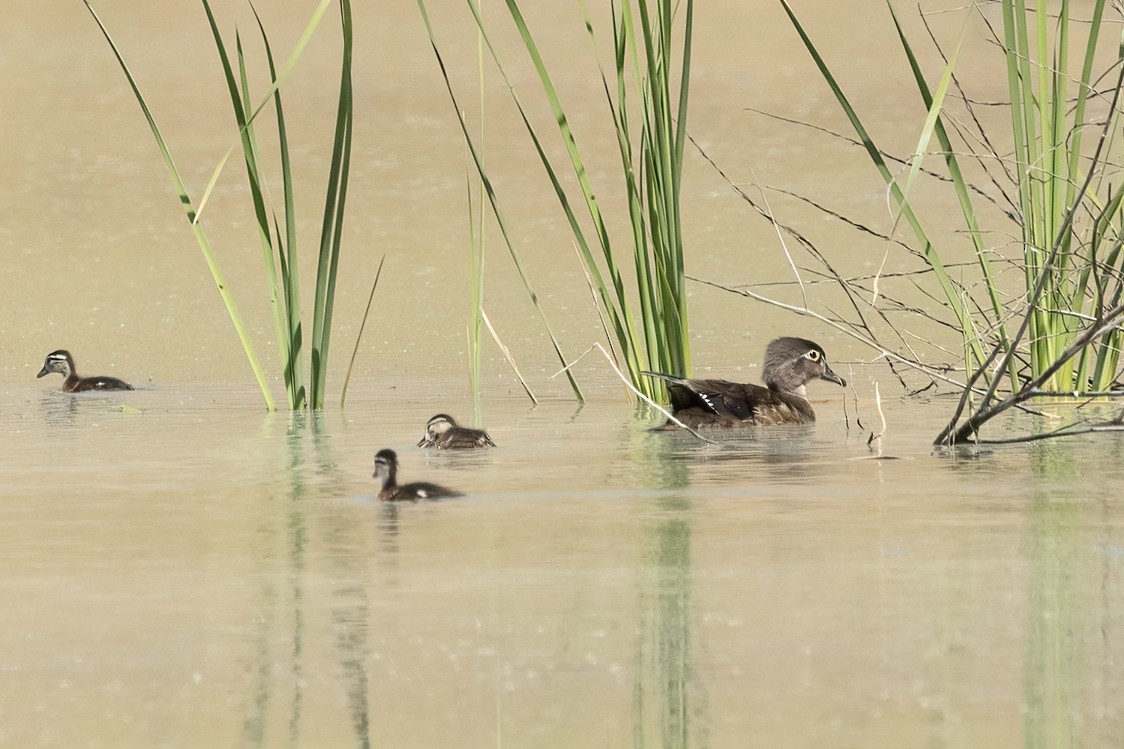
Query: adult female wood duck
{"type": "Point", "coordinates": [62, 362]}
{"type": "Point", "coordinates": [443, 432]}
{"type": "Point", "coordinates": [386, 471]}
{"type": "Point", "coordinates": [790, 364]}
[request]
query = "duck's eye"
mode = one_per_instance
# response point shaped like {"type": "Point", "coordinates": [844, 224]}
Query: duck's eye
{"type": "Point", "coordinates": [813, 355]}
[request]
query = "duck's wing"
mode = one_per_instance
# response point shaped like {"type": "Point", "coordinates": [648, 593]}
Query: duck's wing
{"type": "Point", "coordinates": [729, 400]}
{"type": "Point", "coordinates": [463, 438]}
{"type": "Point", "coordinates": [101, 382]}
{"type": "Point", "coordinates": [426, 490]}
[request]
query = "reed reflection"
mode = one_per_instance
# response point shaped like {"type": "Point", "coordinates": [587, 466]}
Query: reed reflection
{"type": "Point", "coordinates": [1074, 609]}
{"type": "Point", "coordinates": [664, 692]}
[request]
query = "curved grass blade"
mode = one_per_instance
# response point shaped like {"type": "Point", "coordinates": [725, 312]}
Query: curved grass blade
{"type": "Point", "coordinates": [493, 200]}
{"type": "Point", "coordinates": [952, 294]}
{"type": "Point", "coordinates": [189, 210]}
{"type": "Point", "coordinates": [359, 336]}
{"type": "Point", "coordinates": [960, 185]}
{"type": "Point", "coordinates": [278, 79]}
{"type": "Point", "coordinates": [292, 346]}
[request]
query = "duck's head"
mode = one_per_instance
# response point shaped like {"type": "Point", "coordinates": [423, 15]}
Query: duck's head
{"type": "Point", "coordinates": [57, 361]}
{"type": "Point", "coordinates": [386, 465]}
{"type": "Point", "coordinates": [435, 427]}
{"type": "Point", "coordinates": [791, 363]}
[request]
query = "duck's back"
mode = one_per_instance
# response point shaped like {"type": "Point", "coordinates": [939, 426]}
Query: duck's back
{"type": "Point", "coordinates": [719, 403]}
{"type": "Point", "coordinates": [459, 438]}
{"type": "Point", "coordinates": [417, 490]}
{"type": "Point", "coordinates": [100, 382]}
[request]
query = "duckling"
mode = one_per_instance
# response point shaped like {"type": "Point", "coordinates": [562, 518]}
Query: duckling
{"type": "Point", "coordinates": [443, 432]}
{"type": "Point", "coordinates": [62, 362]}
{"type": "Point", "coordinates": [790, 364]}
{"type": "Point", "coordinates": [386, 470]}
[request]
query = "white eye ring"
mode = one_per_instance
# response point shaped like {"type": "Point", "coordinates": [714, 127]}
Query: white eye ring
{"type": "Point", "coordinates": [813, 355]}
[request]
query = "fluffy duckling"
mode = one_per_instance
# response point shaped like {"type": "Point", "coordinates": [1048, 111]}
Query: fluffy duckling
{"type": "Point", "coordinates": [62, 362]}
{"type": "Point", "coordinates": [443, 432]}
{"type": "Point", "coordinates": [386, 471]}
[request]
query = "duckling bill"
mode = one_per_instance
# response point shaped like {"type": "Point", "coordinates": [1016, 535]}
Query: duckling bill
{"type": "Point", "coordinates": [444, 433]}
{"type": "Point", "coordinates": [62, 362]}
{"type": "Point", "coordinates": [386, 471]}
{"type": "Point", "coordinates": [790, 364]}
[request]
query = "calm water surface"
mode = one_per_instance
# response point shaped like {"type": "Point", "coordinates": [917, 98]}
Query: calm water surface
{"type": "Point", "coordinates": [183, 570]}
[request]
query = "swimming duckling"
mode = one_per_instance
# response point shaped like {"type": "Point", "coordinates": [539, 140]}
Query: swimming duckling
{"type": "Point", "coordinates": [443, 432]}
{"type": "Point", "coordinates": [62, 362]}
{"type": "Point", "coordinates": [386, 470]}
{"type": "Point", "coordinates": [790, 364]}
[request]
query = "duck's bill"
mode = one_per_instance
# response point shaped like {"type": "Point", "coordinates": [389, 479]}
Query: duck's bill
{"type": "Point", "coordinates": [832, 377]}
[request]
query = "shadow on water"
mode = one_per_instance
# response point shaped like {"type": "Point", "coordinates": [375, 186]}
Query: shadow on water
{"type": "Point", "coordinates": [1069, 699]}
{"type": "Point", "coordinates": [307, 452]}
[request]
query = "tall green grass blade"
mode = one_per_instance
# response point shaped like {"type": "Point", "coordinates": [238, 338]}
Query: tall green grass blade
{"type": "Point", "coordinates": [239, 91]}
{"type": "Point", "coordinates": [189, 210]}
{"type": "Point", "coordinates": [332, 228]}
{"type": "Point", "coordinates": [492, 198]}
{"type": "Point", "coordinates": [1048, 124]}
{"type": "Point", "coordinates": [292, 346]}
{"type": "Point", "coordinates": [284, 295]}
{"type": "Point", "coordinates": [617, 307]}
{"type": "Point", "coordinates": [651, 161]}
{"type": "Point", "coordinates": [286, 68]}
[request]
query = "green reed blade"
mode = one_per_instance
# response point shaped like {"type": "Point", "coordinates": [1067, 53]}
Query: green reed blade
{"type": "Point", "coordinates": [935, 123]}
{"type": "Point", "coordinates": [332, 227]}
{"type": "Point", "coordinates": [189, 210]}
{"type": "Point", "coordinates": [286, 68]}
{"type": "Point", "coordinates": [287, 247]}
{"type": "Point", "coordinates": [493, 199]}
{"type": "Point", "coordinates": [929, 252]}
{"type": "Point", "coordinates": [651, 179]}
{"type": "Point", "coordinates": [572, 151]}
{"type": "Point", "coordinates": [239, 91]}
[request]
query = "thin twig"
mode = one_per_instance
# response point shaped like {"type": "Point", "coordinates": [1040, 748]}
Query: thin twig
{"type": "Point", "coordinates": [631, 387]}
{"type": "Point", "coordinates": [883, 353]}
{"type": "Point", "coordinates": [507, 355]}
{"type": "Point", "coordinates": [359, 337]}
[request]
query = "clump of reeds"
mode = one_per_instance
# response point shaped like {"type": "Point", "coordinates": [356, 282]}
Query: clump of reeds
{"type": "Point", "coordinates": [1064, 332]}
{"type": "Point", "coordinates": [278, 236]}
{"type": "Point", "coordinates": [646, 95]}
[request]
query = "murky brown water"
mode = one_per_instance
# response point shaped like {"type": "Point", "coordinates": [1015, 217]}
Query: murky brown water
{"type": "Point", "coordinates": [182, 569]}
